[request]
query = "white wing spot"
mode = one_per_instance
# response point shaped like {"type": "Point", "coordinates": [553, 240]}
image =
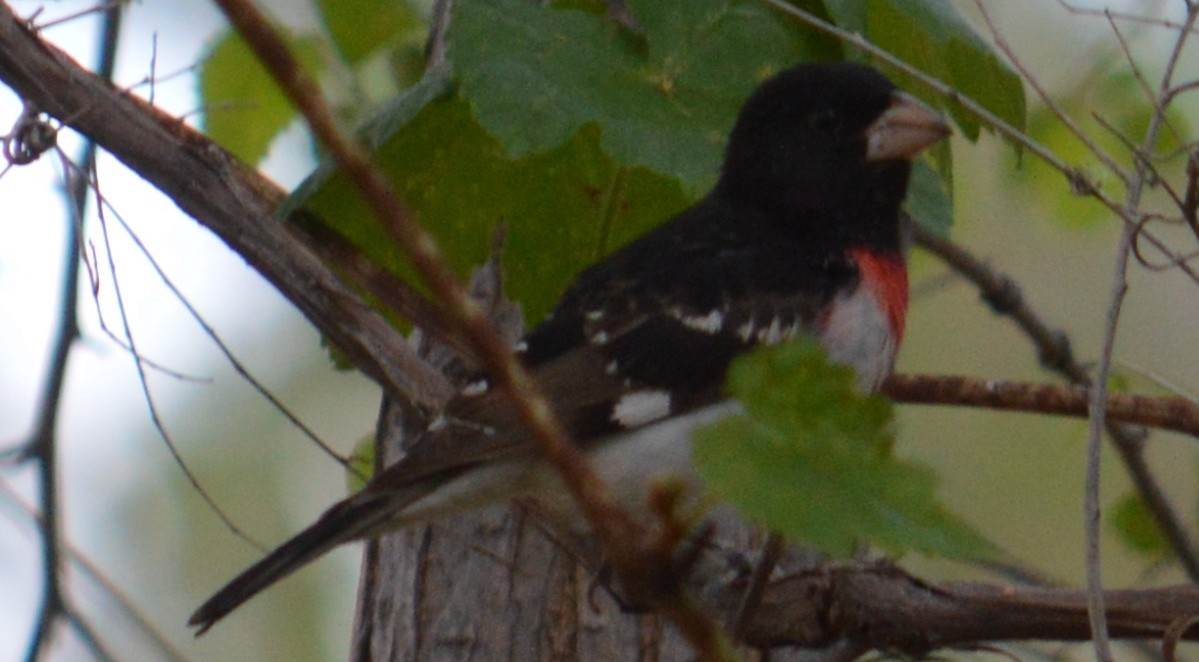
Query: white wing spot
{"type": "Point", "coordinates": [772, 334]}
{"type": "Point", "coordinates": [599, 338]}
{"type": "Point", "coordinates": [640, 407]}
{"type": "Point", "coordinates": [612, 368]}
{"type": "Point", "coordinates": [710, 323]}
{"type": "Point", "coordinates": [746, 331]}
{"type": "Point", "coordinates": [775, 333]}
{"type": "Point", "coordinates": [476, 388]}
{"type": "Point", "coordinates": [521, 347]}
{"type": "Point", "coordinates": [446, 421]}
{"type": "Point", "coordinates": [594, 315]}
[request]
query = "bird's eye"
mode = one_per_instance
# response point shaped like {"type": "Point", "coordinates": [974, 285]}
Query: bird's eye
{"type": "Point", "coordinates": [826, 121]}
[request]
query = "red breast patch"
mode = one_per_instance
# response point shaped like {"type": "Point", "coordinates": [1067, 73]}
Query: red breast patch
{"type": "Point", "coordinates": [886, 275]}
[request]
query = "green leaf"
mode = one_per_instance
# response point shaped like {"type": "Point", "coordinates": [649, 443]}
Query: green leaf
{"type": "Point", "coordinates": [384, 123]}
{"type": "Point", "coordinates": [849, 15]}
{"type": "Point", "coordinates": [812, 459]}
{"type": "Point", "coordinates": [929, 199]}
{"type": "Point", "coordinates": [1135, 527]}
{"type": "Point", "coordinates": [535, 76]}
{"type": "Point", "coordinates": [560, 121]}
{"type": "Point", "coordinates": [564, 208]}
{"type": "Point", "coordinates": [362, 464]}
{"type": "Point", "coordinates": [1119, 381]}
{"type": "Point", "coordinates": [245, 110]}
{"type": "Point", "coordinates": [361, 28]}
{"type": "Point", "coordinates": [931, 36]}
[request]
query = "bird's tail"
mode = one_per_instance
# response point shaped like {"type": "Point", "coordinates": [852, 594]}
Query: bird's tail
{"type": "Point", "coordinates": [352, 519]}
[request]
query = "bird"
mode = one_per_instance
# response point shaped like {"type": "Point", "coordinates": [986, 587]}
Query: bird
{"type": "Point", "coordinates": [800, 236]}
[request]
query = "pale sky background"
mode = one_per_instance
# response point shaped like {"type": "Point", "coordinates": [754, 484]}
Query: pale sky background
{"type": "Point", "coordinates": [103, 410]}
{"type": "Point", "coordinates": [104, 423]}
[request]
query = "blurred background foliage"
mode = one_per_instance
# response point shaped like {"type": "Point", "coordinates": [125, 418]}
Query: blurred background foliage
{"type": "Point", "coordinates": [1016, 478]}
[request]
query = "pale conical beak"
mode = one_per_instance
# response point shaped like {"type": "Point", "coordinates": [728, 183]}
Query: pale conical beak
{"type": "Point", "coordinates": [905, 129]}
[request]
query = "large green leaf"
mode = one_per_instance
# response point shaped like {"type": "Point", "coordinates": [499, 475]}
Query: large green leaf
{"type": "Point", "coordinates": [560, 121]}
{"type": "Point", "coordinates": [930, 35]}
{"type": "Point", "coordinates": [812, 459]}
{"type": "Point", "coordinates": [563, 207]}
{"type": "Point", "coordinates": [849, 15]}
{"type": "Point", "coordinates": [534, 76]}
{"type": "Point", "coordinates": [244, 109]}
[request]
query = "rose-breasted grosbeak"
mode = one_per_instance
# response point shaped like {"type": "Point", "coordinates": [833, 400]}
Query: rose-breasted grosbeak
{"type": "Point", "coordinates": [801, 235]}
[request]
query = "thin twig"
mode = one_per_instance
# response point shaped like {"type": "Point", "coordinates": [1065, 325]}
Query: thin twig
{"type": "Point", "coordinates": [105, 7]}
{"type": "Point", "coordinates": [42, 446]}
{"type": "Point", "coordinates": [1095, 597]}
{"type": "Point", "coordinates": [95, 573]}
{"type": "Point", "coordinates": [1156, 98]}
{"type": "Point", "coordinates": [234, 362]}
{"type": "Point", "coordinates": [1097, 421]}
{"type": "Point", "coordinates": [439, 25]}
{"type": "Point", "coordinates": [990, 119]}
{"type": "Point", "coordinates": [147, 396]}
{"type": "Point", "coordinates": [772, 551]}
{"type": "Point", "coordinates": [1046, 99]}
{"type": "Point", "coordinates": [1003, 295]}
{"type": "Point", "coordinates": [1124, 16]}
{"type": "Point", "coordinates": [1147, 161]}
{"type": "Point", "coordinates": [87, 634]}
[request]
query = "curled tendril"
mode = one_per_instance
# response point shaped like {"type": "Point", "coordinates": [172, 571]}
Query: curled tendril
{"type": "Point", "coordinates": [1142, 223]}
{"type": "Point", "coordinates": [1190, 204]}
{"type": "Point", "coordinates": [32, 135]}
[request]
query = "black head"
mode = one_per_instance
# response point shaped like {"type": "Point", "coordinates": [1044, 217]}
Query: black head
{"type": "Point", "coordinates": [826, 148]}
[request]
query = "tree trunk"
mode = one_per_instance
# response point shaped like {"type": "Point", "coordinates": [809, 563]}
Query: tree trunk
{"type": "Point", "coordinates": [490, 585]}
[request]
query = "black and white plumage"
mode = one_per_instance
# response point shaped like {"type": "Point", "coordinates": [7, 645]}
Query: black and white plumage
{"type": "Point", "coordinates": [801, 235]}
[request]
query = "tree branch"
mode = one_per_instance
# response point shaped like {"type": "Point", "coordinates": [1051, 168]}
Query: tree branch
{"type": "Point", "coordinates": [233, 201]}
{"type": "Point", "coordinates": [881, 607]}
{"type": "Point", "coordinates": [1176, 414]}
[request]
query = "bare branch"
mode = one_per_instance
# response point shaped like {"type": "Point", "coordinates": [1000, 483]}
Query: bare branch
{"type": "Point", "coordinates": [1176, 414]}
{"type": "Point", "coordinates": [1046, 99]}
{"type": "Point", "coordinates": [212, 334]}
{"type": "Point", "coordinates": [1136, 185]}
{"type": "Point", "coordinates": [1125, 16]}
{"type": "Point", "coordinates": [42, 447]}
{"type": "Point", "coordinates": [880, 606]}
